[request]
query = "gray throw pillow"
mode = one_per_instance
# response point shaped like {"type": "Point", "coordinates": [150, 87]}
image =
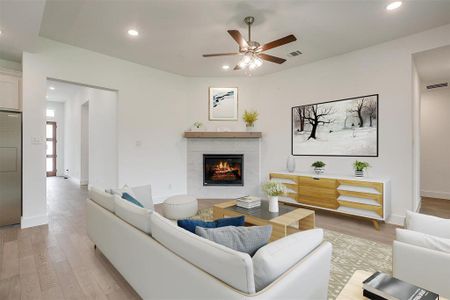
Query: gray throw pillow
{"type": "Point", "coordinates": [243, 239]}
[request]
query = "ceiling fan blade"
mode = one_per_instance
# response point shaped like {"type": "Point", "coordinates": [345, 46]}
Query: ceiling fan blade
{"type": "Point", "coordinates": [237, 68]}
{"type": "Point", "coordinates": [271, 58]}
{"type": "Point", "coordinates": [221, 54]}
{"type": "Point", "coordinates": [237, 36]}
{"type": "Point", "coordinates": [279, 42]}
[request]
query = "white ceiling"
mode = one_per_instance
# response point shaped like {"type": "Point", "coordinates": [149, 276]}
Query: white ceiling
{"type": "Point", "coordinates": [433, 66]}
{"type": "Point", "coordinates": [175, 33]}
{"type": "Point", "coordinates": [19, 22]}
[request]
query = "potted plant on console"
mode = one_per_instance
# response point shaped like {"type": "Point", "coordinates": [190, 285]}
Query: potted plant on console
{"type": "Point", "coordinates": [273, 190]}
{"type": "Point", "coordinates": [360, 167]}
{"type": "Point", "coordinates": [250, 117]}
{"type": "Point", "coordinates": [319, 167]}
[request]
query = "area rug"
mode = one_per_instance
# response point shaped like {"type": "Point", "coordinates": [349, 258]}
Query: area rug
{"type": "Point", "coordinates": [349, 254]}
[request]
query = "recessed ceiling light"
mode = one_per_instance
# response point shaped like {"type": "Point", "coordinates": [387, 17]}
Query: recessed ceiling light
{"type": "Point", "coordinates": [394, 5]}
{"type": "Point", "coordinates": [52, 88]}
{"type": "Point", "coordinates": [133, 32]}
{"type": "Point", "coordinates": [1, 32]}
{"type": "Point", "coordinates": [225, 67]}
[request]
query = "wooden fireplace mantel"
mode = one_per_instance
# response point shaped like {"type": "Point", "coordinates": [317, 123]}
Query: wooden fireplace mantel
{"type": "Point", "coordinates": [222, 134]}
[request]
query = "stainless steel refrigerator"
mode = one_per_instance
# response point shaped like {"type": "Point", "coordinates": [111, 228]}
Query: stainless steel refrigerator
{"type": "Point", "coordinates": [10, 167]}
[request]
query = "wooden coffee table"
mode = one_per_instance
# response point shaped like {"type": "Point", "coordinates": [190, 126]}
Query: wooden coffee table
{"type": "Point", "coordinates": [288, 220]}
{"type": "Point", "coordinates": [353, 289]}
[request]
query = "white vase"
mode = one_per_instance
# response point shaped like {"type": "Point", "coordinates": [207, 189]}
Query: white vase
{"type": "Point", "coordinates": [319, 170]}
{"type": "Point", "coordinates": [250, 128]}
{"type": "Point", "coordinates": [290, 164]}
{"type": "Point", "coordinates": [359, 173]}
{"type": "Point", "coordinates": [273, 204]}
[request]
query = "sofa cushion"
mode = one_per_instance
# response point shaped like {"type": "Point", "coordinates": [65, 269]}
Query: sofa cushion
{"type": "Point", "coordinates": [230, 266]}
{"type": "Point", "coordinates": [124, 189]}
{"type": "Point", "coordinates": [274, 259]}
{"type": "Point", "coordinates": [428, 224]}
{"type": "Point", "coordinates": [137, 216]}
{"type": "Point", "coordinates": [243, 239]}
{"type": "Point", "coordinates": [102, 198]}
{"type": "Point", "coordinates": [190, 225]}
{"type": "Point", "coordinates": [131, 199]}
{"type": "Point", "coordinates": [423, 240]}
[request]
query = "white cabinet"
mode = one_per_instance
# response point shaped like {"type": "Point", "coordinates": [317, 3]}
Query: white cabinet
{"type": "Point", "coordinates": [10, 92]}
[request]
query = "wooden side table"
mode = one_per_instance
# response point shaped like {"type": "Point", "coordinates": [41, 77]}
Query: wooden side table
{"type": "Point", "coordinates": [287, 221]}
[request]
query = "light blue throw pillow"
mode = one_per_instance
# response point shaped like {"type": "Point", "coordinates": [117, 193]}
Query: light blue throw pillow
{"type": "Point", "coordinates": [131, 199]}
{"type": "Point", "coordinates": [243, 239]}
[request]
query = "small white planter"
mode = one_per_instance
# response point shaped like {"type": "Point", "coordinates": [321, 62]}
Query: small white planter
{"type": "Point", "coordinates": [319, 171]}
{"type": "Point", "coordinates": [250, 128]}
{"type": "Point", "coordinates": [273, 204]}
{"type": "Point", "coordinates": [196, 129]}
{"type": "Point", "coordinates": [359, 173]}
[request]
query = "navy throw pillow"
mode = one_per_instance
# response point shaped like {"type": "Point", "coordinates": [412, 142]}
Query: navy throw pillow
{"type": "Point", "coordinates": [131, 199]}
{"type": "Point", "coordinates": [191, 224]}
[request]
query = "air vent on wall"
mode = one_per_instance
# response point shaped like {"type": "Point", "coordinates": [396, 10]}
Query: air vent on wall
{"type": "Point", "coordinates": [295, 53]}
{"type": "Point", "coordinates": [437, 85]}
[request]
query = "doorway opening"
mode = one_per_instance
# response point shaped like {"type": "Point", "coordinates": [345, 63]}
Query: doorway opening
{"type": "Point", "coordinates": [431, 95]}
{"type": "Point", "coordinates": [82, 133]}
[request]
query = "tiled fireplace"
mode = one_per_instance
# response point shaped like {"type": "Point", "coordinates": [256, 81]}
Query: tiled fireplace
{"type": "Point", "coordinates": [223, 167]}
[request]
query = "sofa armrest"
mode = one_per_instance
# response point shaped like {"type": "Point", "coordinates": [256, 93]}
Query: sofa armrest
{"type": "Point", "coordinates": [428, 224]}
{"type": "Point", "coordinates": [423, 267]}
{"type": "Point", "coordinates": [144, 195]}
{"type": "Point", "coordinates": [423, 240]}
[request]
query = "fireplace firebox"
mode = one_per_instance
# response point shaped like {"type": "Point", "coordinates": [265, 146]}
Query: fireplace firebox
{"type": "Point", "coordinates": [223, 169]}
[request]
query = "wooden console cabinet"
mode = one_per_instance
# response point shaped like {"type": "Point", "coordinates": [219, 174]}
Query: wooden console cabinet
{"type": "Point", "coordinates": [363, 197]}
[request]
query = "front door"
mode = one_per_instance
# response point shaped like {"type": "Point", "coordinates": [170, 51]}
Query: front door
{"type": "Point", "coordinates": [51, 149]}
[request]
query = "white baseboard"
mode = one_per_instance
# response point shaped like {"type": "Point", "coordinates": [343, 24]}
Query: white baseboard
{"type": "Point", "coordinates": [396, 220]}
{"type": "Point", "coordinates": [435, 194]}
{"type": "Point", "coordinates": [84, 182]}
{"type": "Point", "coordinates": [33, 221]}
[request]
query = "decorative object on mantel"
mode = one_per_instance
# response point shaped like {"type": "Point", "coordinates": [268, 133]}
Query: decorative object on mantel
{"type": "Point", "coordinates": [319, 167]}
{"type": "Point", "coordinates": [290, 164]}
{"type": "Point", "coordinates": [360, 167]}
{"type": "Point", "coordinates": [346, 127]}
{"type": "Point", "coordinates": [223, 134]}
{"type": "Point", "coordinates": [197, 126]}
{"type": "Point", "coordinates": [223, 104]}
{"type": "Point", "coordinates": [274, 189]}
{"type": "Point", "coordinates": [250, 117]}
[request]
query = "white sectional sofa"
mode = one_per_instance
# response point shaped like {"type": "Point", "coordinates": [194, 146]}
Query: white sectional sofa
{"type": "Point", "coordinates": [162, 261]}
{"type": "Point", "coordinates": [421, 253]}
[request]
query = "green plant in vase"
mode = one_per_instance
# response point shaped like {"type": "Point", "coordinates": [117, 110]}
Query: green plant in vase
{"type": "Point", "coordinates": [319, 167]}
{"type": "Point", "coordinates": [250, 117]}
{"type": "Point", "coordinates": [360, 168]}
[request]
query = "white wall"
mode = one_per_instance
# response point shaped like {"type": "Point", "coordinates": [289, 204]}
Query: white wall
{"type": "Point", "coordinates": [416, 84]}
{"type": "Point", "coordinates": [84, 144]}
{"type": "Point", "coordinates": [59, 109]}
{"type": "Point", "coordinates": [385, 69]}
{"type": "Point", "coordinates": [435, 143]}
{"type": "Point", "coordinates": [151, 117]}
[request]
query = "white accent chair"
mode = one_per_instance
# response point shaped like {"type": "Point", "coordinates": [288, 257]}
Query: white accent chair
{"type": "Point", "coordinates": [421, 253]}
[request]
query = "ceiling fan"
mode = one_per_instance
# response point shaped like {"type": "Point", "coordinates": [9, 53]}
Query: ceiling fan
{"type": "Point", "coordinates": [252, 50]}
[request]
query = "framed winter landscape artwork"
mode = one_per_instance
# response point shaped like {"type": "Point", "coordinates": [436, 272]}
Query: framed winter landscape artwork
{"type": "Point", "coordinates": [223, 104]}
{"type": "Point", "coordinates": [346, 127]}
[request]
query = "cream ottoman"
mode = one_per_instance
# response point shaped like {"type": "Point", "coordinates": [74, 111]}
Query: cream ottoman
{"type": "Point", "coordinates": [180, 207]}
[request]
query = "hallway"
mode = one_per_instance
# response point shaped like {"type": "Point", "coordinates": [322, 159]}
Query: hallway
{"type": "Point", "coordinates": [58, 261]}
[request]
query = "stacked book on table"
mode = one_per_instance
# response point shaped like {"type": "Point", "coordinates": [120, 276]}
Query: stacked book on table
{"type": "Point", "coordinates": [381, 286]}
{"type": "Point", "coordinates": [248, 202]}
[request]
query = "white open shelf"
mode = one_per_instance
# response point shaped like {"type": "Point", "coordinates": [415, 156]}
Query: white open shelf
{"type": "Point", "coordinates": [360, 189]}
{"type": "Point", "coordinates": [358, 200]}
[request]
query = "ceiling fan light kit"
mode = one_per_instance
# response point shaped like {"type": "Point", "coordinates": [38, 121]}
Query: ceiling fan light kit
{"type": "Point", "coordinates": [252, 50]}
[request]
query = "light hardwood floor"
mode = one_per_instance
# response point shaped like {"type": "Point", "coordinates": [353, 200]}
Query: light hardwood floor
{"type": "Point", "coordinates": [58, 261]}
